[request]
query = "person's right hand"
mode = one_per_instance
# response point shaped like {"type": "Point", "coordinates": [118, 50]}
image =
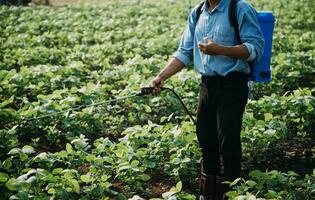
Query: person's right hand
{"type": "Point", "coordinates": [157, 83]}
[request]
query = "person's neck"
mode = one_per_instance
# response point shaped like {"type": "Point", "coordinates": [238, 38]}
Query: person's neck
{"type": "Point", "coordinates": [213, 4]}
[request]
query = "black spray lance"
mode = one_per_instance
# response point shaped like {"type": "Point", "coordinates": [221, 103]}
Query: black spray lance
{"type": "Point", "coordinates": [142, 92]}
{"type": "Point", "coordinates": [149, 90]}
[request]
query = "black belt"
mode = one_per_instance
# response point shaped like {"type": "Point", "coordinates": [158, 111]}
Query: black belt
{"type": "Point", "coordinates": [232, 76]}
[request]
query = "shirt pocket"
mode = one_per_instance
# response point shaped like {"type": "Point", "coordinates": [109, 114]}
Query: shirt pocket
{"type": "Point", "coordinates": [224, 34]}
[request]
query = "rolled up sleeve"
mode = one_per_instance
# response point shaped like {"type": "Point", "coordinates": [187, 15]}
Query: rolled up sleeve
{"type": "Point", "coordinates": [251, 51]}
{"type": "Point", "coordinates": [184, 52]}
{"type": "Point", "coordinates": [183, 56]}
{"type": "Point", "coordinates": [250, 32]}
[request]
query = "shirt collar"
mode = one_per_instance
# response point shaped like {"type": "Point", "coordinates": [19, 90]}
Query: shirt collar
{"type": "Point", "coordinates": [220, 7]}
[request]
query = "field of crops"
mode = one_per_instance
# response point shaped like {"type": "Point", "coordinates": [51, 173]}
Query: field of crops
{"type": "Point", "coordinates": [52, 59]}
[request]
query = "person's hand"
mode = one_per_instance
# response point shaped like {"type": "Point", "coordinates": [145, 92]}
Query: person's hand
{"type": "Point", "coordinates": [157, 83]}
{"type": "Point", "coordinates": [209, 47]}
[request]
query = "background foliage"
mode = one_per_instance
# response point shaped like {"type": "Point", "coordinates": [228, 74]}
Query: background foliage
{"type": "Point", "coordinates": [54, 58]}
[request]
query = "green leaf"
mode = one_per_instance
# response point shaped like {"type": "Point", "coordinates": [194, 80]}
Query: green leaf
{"type": "Point", "coordinates": [268, 117]}
{"type": "Point", "coordinates": [135, 163]}
{"type": "Point", "coordinates": [185, 160]}
{"type": "Point", "coordinates": [69, 148]}
{"type": "Point", "coordinates": [14, 151]}
{"type": "Point", "coordinates": [108, 159]}
{"type": "Point", "coordinates": [6, 102]}
{"type": "Point", "coordinates": [255, 173]}
{"type": "Point", "coordinates": [234, 182]}
{"type": "Point", "coordinates": [231, 193]}
{"type": "Point", "coordinates": [99, 161]}
{"type": "Point", "coordinates": [163, 119]}
{"type": "Point", "coordinates": [272, 193]}
{"type": "Point", "coordinates": [41, 156]}
{"type": "Point", "coordinates": [23, 156]}
{"type": "Point", "coordinates": [270, 132]}
{"type": "Point", "coordinates": [75, 185]}
{"type": "Point", "coordinates": [68, 174]}
{"type": "Point", "coordinates": [147, 108]}
{"type": "Point", "coordinates": [69, 189]}
{"type": "Point", "coordinates": [51, 191]}
{"type": "Point", "coordinates": [179, 186]}
{"type": "Point", "coordinates": [86, 178]}
{"type": "Point", "coordinates": [7, 164]}
{"type": "Point", "coordinates": [105, 178]}
{"type": "Point", "coordinates": [170, 117]}
{"type": "Point", "coordinates": [63, 154]}
{"type": "Point", "coordinates": [136, 197]}
{"type": "Point", "coordinates": [297, 120]}
{"type": "Point", "coordinates": [124, 167]}
{"type": "Point", "coordinates": [12, 184]}
{"type": "Point", "coordinates": [23, 194]}
{"type": "Point", "coordinates": [31, 180]}
{"type": "Point", "coordinates": [144, 177]}
{"type": "Point", "coordinates": [57, 170]}
{"type": "Point", "coordinates": [292, 173]}
{"type": "Point", "coordinates": [251, 183]}
{"type": "Point", "coordinates": [90, 158]}
{"type": "Point", "coordinates": [168, 195]}
{"type": "Point", "coordinates": [28, 149]}
{"type": "Point", "coordinates": [3, 177]}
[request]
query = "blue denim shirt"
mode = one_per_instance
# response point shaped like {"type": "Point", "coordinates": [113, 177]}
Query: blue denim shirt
{"type": "Point", "coordinates": [216, 26]}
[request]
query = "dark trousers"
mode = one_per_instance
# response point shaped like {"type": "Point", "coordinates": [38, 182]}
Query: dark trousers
{"type": "Point", "coordinates": [221, 105]}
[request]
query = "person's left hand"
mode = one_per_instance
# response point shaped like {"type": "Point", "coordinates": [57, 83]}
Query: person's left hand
{"type": "Point", "coordinates": [210, 47]}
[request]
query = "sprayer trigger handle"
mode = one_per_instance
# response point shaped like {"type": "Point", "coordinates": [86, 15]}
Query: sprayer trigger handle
{"type": "Point", "coordinates": [147, 90]}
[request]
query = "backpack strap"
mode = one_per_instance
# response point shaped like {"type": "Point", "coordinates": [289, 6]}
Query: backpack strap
{"type": "Point", "coordinates": [198, 11]}
{"type": "Point", "coordinates": [233, 19]}
{"type": "Point", "coordinates": [234, 23]}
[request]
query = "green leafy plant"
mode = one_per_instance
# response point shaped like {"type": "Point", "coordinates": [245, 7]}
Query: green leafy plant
{"type": "Point", "coordinates": [55, 58]}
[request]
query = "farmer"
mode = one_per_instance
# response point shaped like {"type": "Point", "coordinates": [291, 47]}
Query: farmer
{"type": "Point", "coordinates": [221, 61]}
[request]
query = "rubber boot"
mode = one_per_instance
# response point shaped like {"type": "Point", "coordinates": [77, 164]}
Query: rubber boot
{"type": "Point", "coordinates": [207, 187]}
{"type": "Point", "coordinates": [222, 189]}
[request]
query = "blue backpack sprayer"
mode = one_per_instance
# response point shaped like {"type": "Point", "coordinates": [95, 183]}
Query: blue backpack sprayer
{"type": "Point", "coordinates": [260, 71]}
